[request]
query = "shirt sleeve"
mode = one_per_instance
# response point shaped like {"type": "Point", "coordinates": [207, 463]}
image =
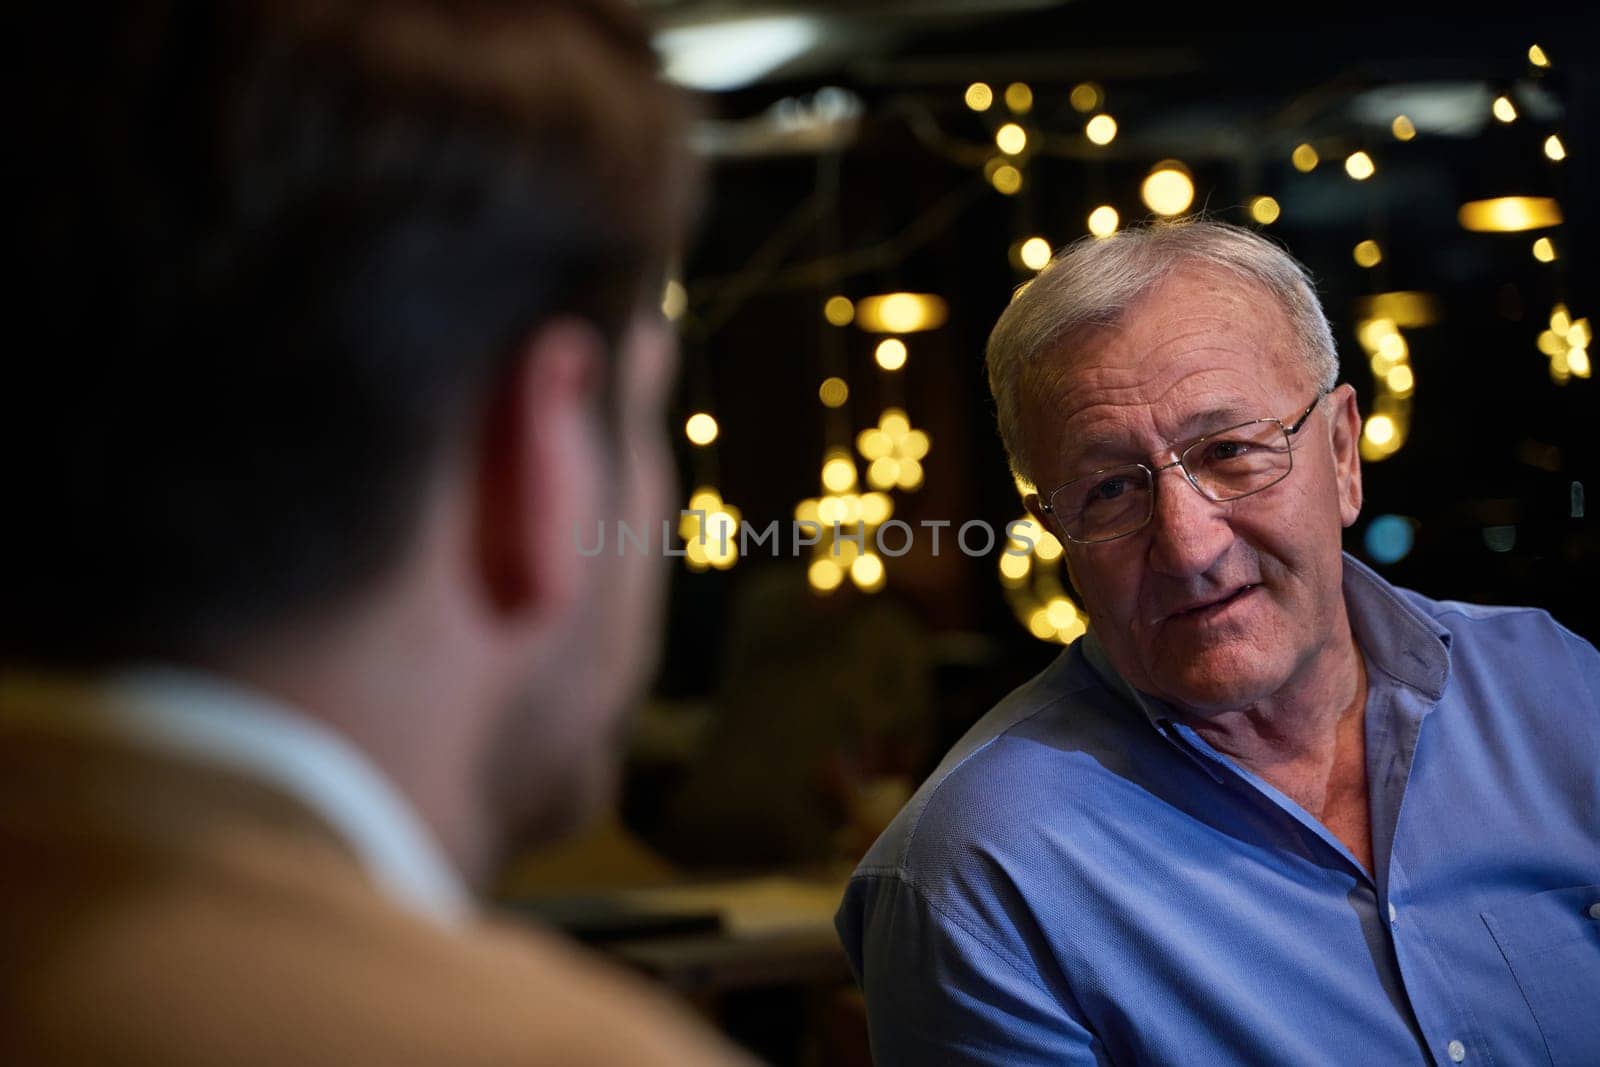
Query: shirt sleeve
{"type": "Point", "coordinates": [939, 993]}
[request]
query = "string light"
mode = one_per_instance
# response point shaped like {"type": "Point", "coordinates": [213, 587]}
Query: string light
{"type": "Point", "coordinates": [1566, 342]}
{"type": "Point", "coordinates": [1509, 214]}
{"type": "Point", "coordinates": [1034, 253]}
{"type": "Point", "coordinates": [833, 392]}
{"type": "Point", "coordinates": [1030, 579]}
{"type": "Point", "coordinates": [1019, 98]}
{"type": "Point", "coordinates": [1403, 128]}
{"type": "Point", "coordinates": [1544, 250]}
{"type": "Point", "coordinates": [1368, 254]}
{"type": "Point", "coordinates": [1359, 166]}
{"type": "Point", "coordinates": [839, 311]}
{"type": "Point", "coordinates": [1006, 179]}
{"type": "Point", "coordinates": [1554, 150]}
{"type": "Point", "coordinates": [901, 312]}
{"type": "Point", "coordinates": [979, 96]}
{"type": "Point", "coordinates": [891, 353]}
{"type": "Point", "coordinates": [1264, 210]}
{"type": "Point", "coordinates": [710, 531]}
{"type": "Point", "coordinates": [1102, 129]}
{"type": "Point", "coordinates": [1504, 109]}
{"type": "Point", "coordinates": [701, 428]}
{"type": "Point", "coordinates": [1085, 97]}
{"type": "Point", "coordinates": [1011, 139]}
{"type": "Point", "coordinates": [1103, 221]}
{"type": "Point", "coordinates": [1304, 158]}
{"type": "Point", "coordinates": [1537, 57]}
{"type": "Point", "coordinates": [1168, 190]}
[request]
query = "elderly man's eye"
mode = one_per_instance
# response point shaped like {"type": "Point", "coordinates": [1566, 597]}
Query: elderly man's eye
{"type": "Point", "coordinates": [1226, 450]}
{"type": "Point", "coordinates": [1109, 489]}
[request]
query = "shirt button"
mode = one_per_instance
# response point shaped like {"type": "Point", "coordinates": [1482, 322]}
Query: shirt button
{"type": "Point", "coordinates": [1457, 1050]}
{"type": "Point", "coordinates": [1594, 910]}
{"type": "Point", "coordinates": [1394, 914]}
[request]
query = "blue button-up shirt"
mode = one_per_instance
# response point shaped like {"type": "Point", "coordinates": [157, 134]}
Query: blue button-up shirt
{"type": "Point", "coordinates": [1085, 880]}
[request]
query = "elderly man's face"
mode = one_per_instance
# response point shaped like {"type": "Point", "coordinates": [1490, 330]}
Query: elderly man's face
{"type": "Point", "coordinates": [1210, 606]}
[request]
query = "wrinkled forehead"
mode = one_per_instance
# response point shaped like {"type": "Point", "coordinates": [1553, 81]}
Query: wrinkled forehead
{"type": "Point", "coordinates": [1192, 352]}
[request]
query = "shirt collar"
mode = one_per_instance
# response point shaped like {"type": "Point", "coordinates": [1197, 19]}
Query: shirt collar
{"type": "Point", "coordinates": [1397, 637]}
{"type": "Point", "coordinates": [221, 723]}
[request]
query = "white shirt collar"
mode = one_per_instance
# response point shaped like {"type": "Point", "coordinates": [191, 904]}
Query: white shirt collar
{"type": "Point", "coordinates": [222, 723]}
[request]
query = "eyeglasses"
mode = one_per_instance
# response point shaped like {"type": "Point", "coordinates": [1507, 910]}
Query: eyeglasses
{"type": "Point", "coordinates": [1117, 501]}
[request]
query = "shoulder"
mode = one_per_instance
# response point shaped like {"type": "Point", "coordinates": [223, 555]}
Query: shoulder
{"type": "Point", "coordinates": [273, 948]}
{"type": "Point", "coordinates": [1025, 791]}
{"type": "Point", "coordinates": [1501, 630]}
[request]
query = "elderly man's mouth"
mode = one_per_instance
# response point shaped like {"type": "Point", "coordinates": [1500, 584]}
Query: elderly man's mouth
{"type": "Point", "coordinates": [1205, 610]}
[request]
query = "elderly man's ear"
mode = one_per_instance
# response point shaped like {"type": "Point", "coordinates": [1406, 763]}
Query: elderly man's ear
{"type": "Point", "coordinates": [538, 473]}
{"type": "Point", "coordinates": [1346, 439]}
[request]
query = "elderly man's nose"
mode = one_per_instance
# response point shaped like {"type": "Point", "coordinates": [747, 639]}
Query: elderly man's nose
{"type": "Point", "coordinates": [1188, 532]}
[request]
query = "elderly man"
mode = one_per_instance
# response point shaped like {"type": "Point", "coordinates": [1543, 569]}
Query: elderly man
{"type": "Point", "coordinates": [1271, 809]}
{"type": "Point", "coordinates": [353, 311]}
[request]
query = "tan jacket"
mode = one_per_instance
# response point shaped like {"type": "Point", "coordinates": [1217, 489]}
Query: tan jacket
{"type": "Point", "coordinates": [158, 911]}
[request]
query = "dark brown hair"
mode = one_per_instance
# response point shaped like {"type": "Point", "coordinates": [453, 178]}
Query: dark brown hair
{"type": "Point", "coordinates": [280, 253]}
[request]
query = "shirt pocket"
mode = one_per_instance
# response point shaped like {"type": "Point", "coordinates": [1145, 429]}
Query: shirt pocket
{"type": "Point", "coordinates": [1551, 942]}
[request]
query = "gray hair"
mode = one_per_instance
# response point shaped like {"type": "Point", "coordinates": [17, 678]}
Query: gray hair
{"type": "Point", "coordinates": [1092, 282]}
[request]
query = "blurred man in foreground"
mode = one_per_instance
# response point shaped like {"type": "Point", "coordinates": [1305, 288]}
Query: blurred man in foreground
{"type": "Point", "coordinates": [351, 323]}
{"type": "Point", "coordinates": [1271, 809]}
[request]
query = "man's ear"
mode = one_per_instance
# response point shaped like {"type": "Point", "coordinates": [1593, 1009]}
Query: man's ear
{"type": "Point", "coordinates": [1346, 441]}
{"type": "Point", "coordinates": [541, 471]}
{"type": "Point", "coordinates": [1031, 502]}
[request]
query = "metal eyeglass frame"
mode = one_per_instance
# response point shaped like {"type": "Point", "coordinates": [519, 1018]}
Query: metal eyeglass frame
{"type": "Point", "coordinates": [1047, 504]}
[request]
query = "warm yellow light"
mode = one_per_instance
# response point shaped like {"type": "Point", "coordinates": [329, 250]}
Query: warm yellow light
{"type": "Point", "coordinates": [807, 510]}
{"type": "Point", "coordinates": [701, 428]}
{"type": "Point", "coordinates": [833, 392]}
{"type": "Point", "coordinates": [1086, 96]}
{"type": "Point", "coordinates": [1368, 254]}
{"type": "Point", "coordinates": [1006, 179]}
{"type": "Point", "coordinates": [1359, 166]}
{"type": "Point", "coordinates": [824, 575]}
{"type": "Point", "coordinates": [909, 475]}
{"type": "Point", "coordinates": [1504, 109]}
{"type": "Point", "coordinates": [890, 353]}
{"type": "Point", "coordinates": [839, 473]}
{"type": "Point", "coordinates": [873, 444]}
{"type": "Point", "coordinates": [1061, 612]}
{"type": "Point", "coordinates": [704, 499]}
{"type": "Point", "coordinates": [884, 472]}
{"type": "Point", "coordinates": [1305, 158]}
{"type": "Point", "coordinates": [1403, 128]}
{"type": "Point", "coordinates": [1578, 362]}
{"type": "Point", "coordinates": [1579, 336]}
{"type": "Point", "coordinates": [1550, 344]}
{"type": "Point", "coordinates": [1011, 138]}
{"type": "Point", "coordinates": [901, 312]}
{"type": "Point", "coordinates": [1046, 547]}
{"type": "Point", "coordinates": [1510, 214]}
{"type": "Point", "coordinates": [1019, 98]}
{"type": "Point", "coordinates": [1560, 319]}
{"type": "Point", "coordinates": [1544, 251]}
{"type": "Point", "coordinates": [1380, 430]}
{"type": "Point", "coordinates": [1034, 253]}
{"type": "Point", "coordinates": [839, 311]}
{"type": "Point", "coordinates": [876, 508]}
{"type": "Point", "coordinates": [866, 571]}
{"type": "Point", "coordinates": [1265, 210]}
{"type": "Point", "coordinates": [674, 300]}
{"type": "Point", "coordinates": [1392, 347]}
{"type": "Point", "coordinates": [1015, 566]}
{"type": "Point", "coordinates": [979, 96]}
{"type": "Point", "coordinates": [1537, 57]}
{"type": "Point", "coordinates": [1039, 625]}
{"type": "Point", "coordinates": [1554, 150]}
{"type": "Point", "coordinates": [1405, 307]}
{"type": "Point", "coordinates": [1371, 332]}
{"type": "Point", "coordinates": [895, 423]}
{"type": "Point", "coordinates": [1168, 190]}
{"type": "Point", "coordinates": [915, 445]}
{"type": "Point", "coordinates": [1103, 221]}
{"type": "Point", "coordinates": [1102, 129]}
{"type": "Point", "coordinates": [1400, 380]}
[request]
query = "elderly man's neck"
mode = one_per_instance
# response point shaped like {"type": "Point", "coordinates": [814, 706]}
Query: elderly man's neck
{"type": "Point", "coordinates": [1309, 741]}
